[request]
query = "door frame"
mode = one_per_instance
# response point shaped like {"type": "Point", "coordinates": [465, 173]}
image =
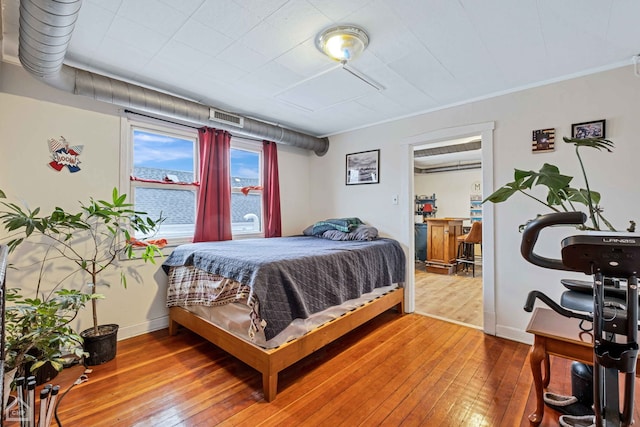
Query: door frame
{"type": "Point", "coordinates": [485, 130]}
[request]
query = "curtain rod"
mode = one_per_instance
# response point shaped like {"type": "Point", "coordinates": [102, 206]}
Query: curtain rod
{"type": "Point", "coordinates": [162, 120]}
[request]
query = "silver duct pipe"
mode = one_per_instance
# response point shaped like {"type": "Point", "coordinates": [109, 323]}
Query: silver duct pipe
{"type": "Point", "coordinates": [447, 149]}
{"type": "Point", "coordinates": [45, 32]}
{"type": "Point", "coordinates": [450, 168]}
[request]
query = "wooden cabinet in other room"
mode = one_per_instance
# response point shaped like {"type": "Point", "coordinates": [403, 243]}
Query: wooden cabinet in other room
{"type": "Point", "coordinates": [441, 239]}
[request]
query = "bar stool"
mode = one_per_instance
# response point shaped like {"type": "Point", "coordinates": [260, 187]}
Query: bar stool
{"type": "Point", "coordinates": [466, 247]}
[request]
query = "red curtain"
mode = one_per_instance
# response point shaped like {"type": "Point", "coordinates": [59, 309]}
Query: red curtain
{"type": "Point", "coordinates": [213, 218]}
{"type": "Point", "coordinates": [271, 191]}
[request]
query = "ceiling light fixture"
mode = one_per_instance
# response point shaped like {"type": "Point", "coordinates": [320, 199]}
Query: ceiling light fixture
{"type": "Point", "coordinates": [342, 43]}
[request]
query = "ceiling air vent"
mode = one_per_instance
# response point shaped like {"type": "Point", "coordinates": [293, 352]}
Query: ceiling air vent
{"type": "Point", "coordinates": [224, 117]}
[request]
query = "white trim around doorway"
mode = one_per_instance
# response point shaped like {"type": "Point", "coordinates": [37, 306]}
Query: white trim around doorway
{"type": "Point", "coordinates": [485, 130]}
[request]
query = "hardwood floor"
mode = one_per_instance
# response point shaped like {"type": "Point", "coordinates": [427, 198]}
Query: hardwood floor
{"type": "Point", "coordinates": [452, 297]}
{"type": "Point", "coordinates": [395, 370]}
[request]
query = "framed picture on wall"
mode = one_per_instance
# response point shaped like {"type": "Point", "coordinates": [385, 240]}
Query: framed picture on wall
{"type": "Point", "coordinates": [363, 168]}
{"type": "Point", "coordinates": [594, 129]}
{"type": "Point", "coordinates": [543, 140]}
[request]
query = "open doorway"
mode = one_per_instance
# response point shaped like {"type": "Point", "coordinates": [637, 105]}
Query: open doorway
{"type": "Point", "coordinates": [431, 138]}
{"type": "Point", "coordinates": [448, 216]}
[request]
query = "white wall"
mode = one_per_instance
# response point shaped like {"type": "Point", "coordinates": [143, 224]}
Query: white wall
{"type": "Point", "coordinates": [612, 95]}
{"type": "Point", "coordinates": [25, 126]}
{"type": "Point", "coordinates": [452, 189]}
{"type": "Point", "coordinates": [295, 193]}
{"type": "Point", "coordinates": [313, 187]}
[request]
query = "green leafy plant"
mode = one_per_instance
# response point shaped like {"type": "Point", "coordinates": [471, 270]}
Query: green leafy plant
{"type": "Point", "coordinates": [37, 330]}
{"type": "Point", "coordinates": [93, 239]}
{"type": "Point", "coordinates": [561, 197]}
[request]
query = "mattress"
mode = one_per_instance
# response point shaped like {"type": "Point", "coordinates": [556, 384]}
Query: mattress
{"type": "Point", "coordinates": [293, 277]}
{"type": "Point", "coordinates": [236, 318]}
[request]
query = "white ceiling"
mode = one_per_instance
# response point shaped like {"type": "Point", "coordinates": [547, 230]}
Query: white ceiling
{"type": "Point", "coordinates": [258, 57]}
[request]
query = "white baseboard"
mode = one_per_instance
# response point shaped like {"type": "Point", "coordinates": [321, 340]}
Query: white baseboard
{"type": "Point", "coordinates": [143, 328]}
{"type": "Point", "coordinates": [489, 322]}
{"type": "Point", "coordinates": [514, 334]}
{"type": "Point", "coordinates": [163, 322]}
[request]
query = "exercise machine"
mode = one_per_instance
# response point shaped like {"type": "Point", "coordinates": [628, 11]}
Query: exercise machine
{"type": "Point", "coordinates": [605, 256]}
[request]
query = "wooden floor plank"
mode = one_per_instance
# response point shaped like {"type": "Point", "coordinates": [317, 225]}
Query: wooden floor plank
{"type": "Point", "coordinates": [318, 367]}
{"type": "Point", "coordinates": [433, 383]}
{"type": "Point", "coordinates": [465, 409]}
{"type": "Point", "coordinates": [378, 387]}
{"type": "Point", "coordinates": [394, 370]}
{"type": "Point", "coordinates": [319, 410]}
{"type": "Point", "coordinates": [454, 392]}
{"type": "Point", "coordinates": [406, 377]}
{"type": "Point", "coordinates": [456, 297]}
{"type": "Point", "coordinates": [504, 392]}
{"type": "Point", "coordinates": [520, 395]}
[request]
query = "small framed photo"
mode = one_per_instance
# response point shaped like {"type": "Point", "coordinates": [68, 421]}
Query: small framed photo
{"type": "Point", "coordinates": [543, 140]}
{"type": "Point", "coordinates": [363, 168]}
{"type": "Point", "coordinates": [594, 129]}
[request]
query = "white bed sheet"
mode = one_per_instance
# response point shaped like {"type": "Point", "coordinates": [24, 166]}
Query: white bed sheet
{"type": "Point", "coordinates": [235, 318]}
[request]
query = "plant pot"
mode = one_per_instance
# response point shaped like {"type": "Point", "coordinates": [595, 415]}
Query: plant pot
{"type": "Point", "coordinates": [43, 374]}
{"type": "Point", "coordinates": [8, 380]}
{"type": "Point", "coordinates": [101, 347]}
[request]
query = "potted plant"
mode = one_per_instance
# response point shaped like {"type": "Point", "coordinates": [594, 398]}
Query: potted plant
{"type": "Point", "coordinates": [37, 331]}
{"type": "Point", "coordinates": [561, 197]}
{"type": "Point", "coordinates": [92, 240]}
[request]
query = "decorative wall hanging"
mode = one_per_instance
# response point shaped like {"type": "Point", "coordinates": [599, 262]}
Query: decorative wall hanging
{"type": "Point", "coordinates": [594, 129]}
{"type": "Point", "coordinates": [64, 155]}
{"type": "Point", "coordinates": [543, 140]}
{"type": "Point", "coordinates": [363, 167]}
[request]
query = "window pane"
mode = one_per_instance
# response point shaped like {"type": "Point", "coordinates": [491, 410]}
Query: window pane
{"type": "Point", "coordinates": [177, 206]}
{"type": "Point", "coordinates": [246, 211]}
{"type": "Point", "coordinates": [160, 157]}
{"type": "Point", "coordinates": [245, 168]}
{"type": "Point", "coordinates": [163, 157]}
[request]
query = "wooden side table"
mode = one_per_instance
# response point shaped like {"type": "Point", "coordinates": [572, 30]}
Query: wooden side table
{"type": "Point", "coordinates": [559, 336]}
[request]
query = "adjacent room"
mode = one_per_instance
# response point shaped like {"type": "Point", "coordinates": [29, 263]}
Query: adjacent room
{"type": "Point", "coordinates": [448, 193]}
{"type": "Point", "coordinates": [306, 212]}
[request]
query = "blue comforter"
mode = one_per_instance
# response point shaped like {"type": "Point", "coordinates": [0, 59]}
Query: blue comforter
{"type": "Point", "coordinates": [294, 277]}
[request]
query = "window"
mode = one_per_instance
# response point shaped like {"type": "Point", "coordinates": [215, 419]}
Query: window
{"type": "Point", "coordinates": [246, 174]}
{"type": "Point", "coordinates": [163, 176]}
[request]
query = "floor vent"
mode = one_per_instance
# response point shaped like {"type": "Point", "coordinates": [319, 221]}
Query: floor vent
{"type": "Point", "coordinates": [224, 117]}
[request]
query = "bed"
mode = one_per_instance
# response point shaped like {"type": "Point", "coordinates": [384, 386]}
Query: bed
{"type": "Point", "coordinates": [297, 294]}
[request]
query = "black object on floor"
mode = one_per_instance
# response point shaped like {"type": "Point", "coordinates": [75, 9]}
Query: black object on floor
{"type": "Point", "coordinates": [582, 383]}
{"type": "Point", "coordinates": [566, 405]}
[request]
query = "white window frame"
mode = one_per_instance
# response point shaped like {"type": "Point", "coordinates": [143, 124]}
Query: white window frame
{"type": "Point", "coordinates": [255, 147]}
{"type": "Point", "coordinates": [128, 125]}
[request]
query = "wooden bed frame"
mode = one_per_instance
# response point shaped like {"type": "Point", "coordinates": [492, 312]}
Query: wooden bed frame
{"type": "Point", "coordinates": [271, 361]}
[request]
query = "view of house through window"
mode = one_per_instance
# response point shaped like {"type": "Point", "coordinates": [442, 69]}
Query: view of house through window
{"type": "Point", "coordinates": [165, 176]}
{"type": "Point", "coordinates": [164, 179]}
{"type": "Point", "coordinates": [246, 188]}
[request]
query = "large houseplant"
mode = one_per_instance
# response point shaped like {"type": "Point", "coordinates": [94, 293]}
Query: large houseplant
{"type": "Point", "coordinates": [561, 197]}
{"type": "Point", "coordinates": [37, 330]}
{"type": "Point", "coordinates": [91, 240]}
